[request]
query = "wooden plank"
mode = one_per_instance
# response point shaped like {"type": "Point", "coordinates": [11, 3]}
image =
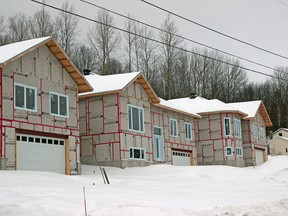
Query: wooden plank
{"type": "Point", "coordinates": [67, 157]}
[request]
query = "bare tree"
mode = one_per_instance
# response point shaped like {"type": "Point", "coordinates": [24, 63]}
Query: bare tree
{"type": "Point", "coordinates": [169, 38]}
{"type": "Point", "coordinates": [104, 40]}
{"type": "Point", "coordinates": [18, 28]}
{"type": "Point", "coordinates": [66, 28]}
{"type": "Point", "coordinates": [41, 24]}
{"type": "Point", "coordinates": [129, 37]}
{"type": "Point", "coordinates": [148, 58]}
{"type": "Point", "coordinates": [84, 58]}
{"type": "Point", "coordinates": [3, 35]}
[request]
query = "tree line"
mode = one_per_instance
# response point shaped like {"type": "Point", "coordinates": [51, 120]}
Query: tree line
{"type": "Point", "coordinates": [169, 68]}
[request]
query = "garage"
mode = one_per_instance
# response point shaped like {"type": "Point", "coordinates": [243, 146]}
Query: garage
{"type": "Point", "coordinates": [38, 153]}
{"type": "Point", "coordinates": [259, 154]}
{"type": "Point", "coordinates": [181, 158]}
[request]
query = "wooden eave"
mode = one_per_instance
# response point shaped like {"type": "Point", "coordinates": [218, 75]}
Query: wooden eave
{"type": "Point", "coordinates": [178, 111]}
{"type": "Point", "coordinates": [82, 83]}
{"type": "Point", "coordinates": [147, 88]}
{"type": "Point", "coordinates": [99, 94]}
{"type": "Point", "coordinates": [242, 115]}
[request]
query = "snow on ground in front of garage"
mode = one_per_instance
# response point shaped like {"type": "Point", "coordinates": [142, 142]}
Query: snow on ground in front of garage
{"type": "Point", "coordinates": [154, 190]}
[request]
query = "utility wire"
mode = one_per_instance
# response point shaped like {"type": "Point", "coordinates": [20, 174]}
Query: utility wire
{"type": "Point", "coordinates": [216, 31]}
{"type": "Point", "coordinates": [184, 38]}
{"type": "Point", "coordinates": [157, 41]}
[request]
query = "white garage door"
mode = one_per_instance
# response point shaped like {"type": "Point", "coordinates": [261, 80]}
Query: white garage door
{"type": "Point", "coordinates": [259, 157]}
{"type": "Point", "coordinates": [37, 153]}
{"type": "Point", "coordinates": [181, 158]}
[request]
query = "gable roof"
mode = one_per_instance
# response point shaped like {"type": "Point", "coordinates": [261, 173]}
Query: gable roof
{"type": "Point", "coordinates": [279, 129]}
{"type": "Point", "coordinates": [14, 51]}
{"type": "Point", "coordinates": [278, 137]}
{"type": "Point", "coordinates": [251, 108]}
{"type": "Point", "coordinates": [116, 83]}
{"type": "Point", "coordinates": [174, 107]}
{"type": "Point", "coordinates": [202, 105]}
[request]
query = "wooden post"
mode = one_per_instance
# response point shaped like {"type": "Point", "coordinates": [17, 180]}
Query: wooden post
{"type": "Point", "coordinates": [67, 156]}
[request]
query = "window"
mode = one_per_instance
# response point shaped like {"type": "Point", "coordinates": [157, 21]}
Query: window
{"type": "Point", "coordinates": [25, 97]}
{"type": "Point", "coordinates": [229, 151]}
{"type": "Point", "coordinates": [188, 130]}
{"type": "Point", "coordinates": [227, 127]}
{"type": "Point", "coordinates": [58, 104]}
{"type": "Point", "coordinates": [261, 133]}
{"type": "Point", "coordinates": [280, 134]}
{"type": "Point", "coordinates": [173, 128]}
{"type": "Point", "coordinates": [286, 150]}
{"type": "Point", "coordinates": [239, 152]}
{"type": "Point", "coordinates": [255, 131]}
{"type": "Point", "coordinates": [137, 153]}
{"type": "Point", "coordinates": [135, 118]}
{"type": "Point", "coordinates": [237, 128]}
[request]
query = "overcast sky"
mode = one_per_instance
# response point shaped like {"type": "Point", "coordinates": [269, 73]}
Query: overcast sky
{"type": "Point", "coordinates": [260, 22]}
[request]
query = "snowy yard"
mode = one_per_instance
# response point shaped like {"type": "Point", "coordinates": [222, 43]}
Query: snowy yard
{"type": "Point", "coordinates": [154, 190]}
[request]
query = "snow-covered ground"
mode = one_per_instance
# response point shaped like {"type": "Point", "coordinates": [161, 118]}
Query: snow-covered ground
{"type": "Point", "coordinates": [154, 190]}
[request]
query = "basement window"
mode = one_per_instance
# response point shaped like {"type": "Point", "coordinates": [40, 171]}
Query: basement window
{"type": "Point", "coordinates": [188, 130]}
{"type": "Point", "coordinates": [229, 151]}
{"type": "Point", "coordinates": [173, 128]}
{"type": "Point", "coordinates": [25, 97]}
{"type": "Point", "coordinates": [227, 127]}
{"type": "Point", "coordinates": [58, 104]}
{"type": "Point", "coordinates": [135, 118]}
{"type": "Point", "coordinates": [137, 153]}
{"type": "Point", "coordinates": [239, 151]}
{"type": "Point", "coordinates": [237, 127]}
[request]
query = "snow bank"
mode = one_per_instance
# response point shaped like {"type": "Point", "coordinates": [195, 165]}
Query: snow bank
{"type": "Point", "coordinates": [154, 190]}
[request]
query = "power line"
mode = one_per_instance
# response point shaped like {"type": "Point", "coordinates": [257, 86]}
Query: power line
{"type": "Point", "coordinates": [184, 38]}
{"type": "Point", "coordinates": [216, 31]}
{"type": "Point", "coordinates": [156, 41]}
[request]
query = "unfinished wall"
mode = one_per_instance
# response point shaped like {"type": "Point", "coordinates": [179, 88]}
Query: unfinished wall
{"type": "Point", "coordinates": [161, 118]}
{"type": "Point", "coordinates": [250, 143]}
{"type": "Point", "coordinates": [39, 69]}
{"type": "Point", "coordinates": [278, 146]}
{"type": "Point", "coordinates": [105, 136]}
{"type": "Point", "coordinates": [211, 140]}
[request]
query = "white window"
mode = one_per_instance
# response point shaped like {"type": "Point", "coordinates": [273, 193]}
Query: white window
{"type": "Point", "coordinates": [237, 127]}
{"type": "Point", "coordinates": [59, 104]}
{"type": "Point", "coordinates": [229, 151]}
{"type": "Point", "coordinates": [188, 130]}
{"type": "Point", "coordinates": [227, 127]}
{"type": "Point", "coordinates": [25, 97]}
{"type": "Point", "coordinates": [239, 151]}
{"type": "Point", "coordinates": [261, 133]}
{"type": "Point", "coordinates": [255, 131]}
{"type": "Point", "coordinates": [137, 153]}
{"type": "Point", "coordinates": [173, 128]}
{"type": "Point", "coordinates": [135, 118]}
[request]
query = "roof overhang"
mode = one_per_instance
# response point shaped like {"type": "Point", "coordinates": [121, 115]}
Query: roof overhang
{"type": "Point", "coordinates": [264, 114]}
{"type": "Point", "coordinates": [241, 114]}
{"type": "Point", "coordinates": [178, 111]}
{"type": "Point", "coordinates": [61, 56]}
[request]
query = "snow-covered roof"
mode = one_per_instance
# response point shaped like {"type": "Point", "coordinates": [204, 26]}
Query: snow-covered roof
{"type": "Point", "coordinates": [174, 107]}
{"type": "Point", "coordinates": [201, 105]}
{"type": "Point", "coordinates": [116, 83]}
{"type": "Point", "coordinates": [10, 51]}
{"type": "Point", "coordinates": [278, 137]}
{"type": "Point", "coordinates": [251, 108]}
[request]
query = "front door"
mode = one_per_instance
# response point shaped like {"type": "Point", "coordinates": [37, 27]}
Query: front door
{"type": "Point", "coordinates": [158, 144]}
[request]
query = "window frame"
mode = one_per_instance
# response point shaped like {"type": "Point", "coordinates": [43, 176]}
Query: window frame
{"type": "Point", "coordinates": [25, 101]}
{"type": "Point", "coordinates": [139, 118]}
{"type": "Point", "coordinates": [255, 131]}
{"type": "Point", "coordinates": [136, 148]}
{"type": "Point", "coordinates": [225, 132]}
{"type": "Point", "coordinates": [58, 100]}
{"type": "Point", "coordinates": [226, 153]}
{"type": "Point", "coordinates": [188, 127]}
{"type": "Point", "coordinates": [241, 152]}
{"type": "Point", "coordinates": [175, 130]}
{"type": "Point", "coordinates": [261, 133]}
{"type": "Point", "coordinates": [237, 129]}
